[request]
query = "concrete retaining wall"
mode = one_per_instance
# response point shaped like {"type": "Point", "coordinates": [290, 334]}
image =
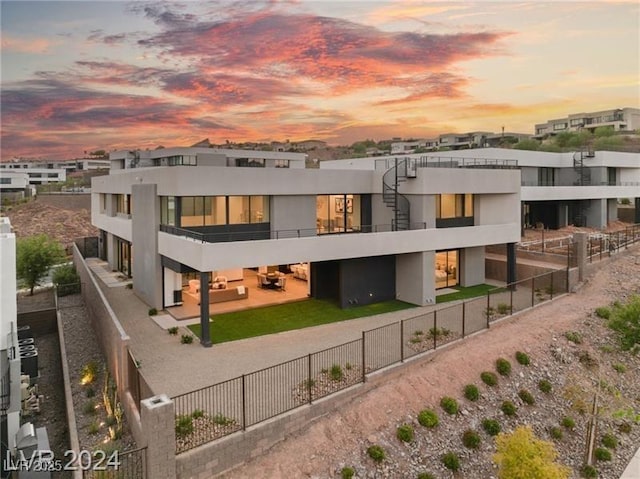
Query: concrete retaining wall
{"type": "Point", "coordinates": [41, 322]}
{"type": "Point", "coordinates": [497, 270]}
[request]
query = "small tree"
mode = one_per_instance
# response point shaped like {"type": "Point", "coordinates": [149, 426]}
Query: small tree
{"type": "Point", "coordinates": [625, 320]}
{"type": "Point", "coordinates": [521, 454]}
{"type": "Point", "coordinates": [35, 255]}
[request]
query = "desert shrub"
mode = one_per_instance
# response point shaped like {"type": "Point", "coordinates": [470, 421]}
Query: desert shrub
{"type": "Point", "coordinates": [376, 453]}
{"type": "Point", "coordinates": [491, 427]}
{"type": "Point", "coordinates": [585, 358]}
{"type": "Point", "coordinates": [568, 422]}
{"type": "Point", "coordinates": [556, 433]}
{"type": "Point", "coordinates": [197, 413]}
{"type": "Point", "coordinates": [347, 472]}
{"type": "Point", "coordinates": [66, 280]}
{"type": "Point", "coordinates": [94, 428]}
{"type": "Point", "coordinates": [428, 418]}
{"type": "Point", "coordinates": [336, 372]}
{"type": "Point", "coordinates": [184, 425]}
{"type": "Point", "coordinates": [489, 378]}
{"type": "Point", "coordinates": [471, 439]}
{"type": "Point", "coordinates": [508, 408]}
{"type": "Point", "coordinates": [186, 339]}
{"type": "Point", "coordinates": [90, 392]}
{"type": "Point", "coordinates": [451, 461]}
{"type": "Point", "coordinates": [522, 454]}
{"type": "Point", "coordinates": [89, 372]}
{"type": "Point", "coordinates": [544, 386]}
{"type": "Point", "coordinates": [602, 454]}
{"type": "Point", "coordinates": [425, 475]}
{"type": "Point", "coordinates": [573, 336]}
{"type": "Point", "coordinates": [449, 404]}
{"type": "Point", "coordinates": [153, 312]}
{"type": "Point", "coordinates": [624, 427]}
{"type": "Point", "coordinates": [439, 332]}
{"type": "Point", "coordinates": [603, 312]}
{"type": "Point", "coordinates": [588, 472]}
{"type": "Point", "coordinates": [619, 367]}
{"type": "Point", "coordinates": [221, 420]}
{"type": "Point", "coordinates": [89, 407]}
{"type": "Point", "coordinates": [503, 308]}
{"type": "Point", "coordinates": [173, 331]}
{"type": "Point", "coordinates": [348, 366]}
{"type": "Point", "coordinates": [526, 397]}
{"type": "Point", "coordinates": [503, 367]}
{"type": "Point", "coordinates": [471, 392]}
{"type": "Point", "coordinates": [405, 433]}
{"type": "Point", "coordinates": [609, 441]}
{"type": "Point", "coordinates": [625, 320]}
{"type": "Point", "coordinates": [309, 383]}
{"type": "Point", "coordinates": [523, 358]}
{"type": "Point", "coordinates": [489, 312]}
{"type": "Point", "coordinates": [111, 421]}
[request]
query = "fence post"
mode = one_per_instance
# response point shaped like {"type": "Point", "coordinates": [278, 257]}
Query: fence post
{"type": "Point", "coordinates": [551, 287]}
{"type": "Point", "coordinates": [402, 341]}
{"type": "Point", "coordinates": [511, 299]}
{"type": "Point", "coordinates": [533, 290]}
{"type": "Point", "coordinates": [309, 385]}
{"type": "Point", "coordinates": [601, 246]}
{"type": "Point", "coordinates": [364, 374]}
{"type": "Point", "coordinates": [244, 404]}
{"type": "Point", "coordinates": [488, 306]}
{"type": "Point", "coordinates": [435, 329]}
{"type": "Point", "coordinates": [463, 317]}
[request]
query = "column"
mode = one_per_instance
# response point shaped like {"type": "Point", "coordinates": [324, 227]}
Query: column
{"type": "Point", "coordinates": [511, 264]}
{"type": "Point", "coordinates": [157, 419]}
{"type": "Point", "coordinates": [204, 309]}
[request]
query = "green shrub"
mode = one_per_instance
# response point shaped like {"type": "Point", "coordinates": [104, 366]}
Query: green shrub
{"type": "Point", "coordinates": [573, 336]}
{"type": "Point", "coordinates": [348, 366]}
{"type": "Point", "coordinates": [405, 433]}
{"type": "Point", "coordinates": [523, 358]}
{"type": "Point", "coordinates": [508, 408]}
{"type": "Point", "coordinates": [556, 433]}
{"type": "Point", "coordinates": [94, 428]}
{"type": "Point", "coordinates": [347, 472]}
{"type": "Point", "coordinates": [66, 280]}
{"type": "Point", "coordinates": [376, 453]}
{"type": "Point", "coordinates": [609, 441]}
{"type": "Point", "coordinates": [491, 427]}
{"type": "Point", "coordinates": [602, 454]}
{"type": "Point", "coordinates": [471, 392]}
{"type": "Point", "coordinates": [451, 461]}
{"type": "Point", "coordinates": [619, 367]}
{"type": "Point", "coordinates": [503, 308]}
{"type": "Point", "coordinates": [197, 413]}
{"type": "Point", "coordinates": [425, 475]}
{"type": "Point", "coordinates": [428, 418]}
{"type": "Point", "coordinates": [544, 386]}
{"type": "Point", "coordinates": [585, 358]}
{"type": "Point", "coordinates": [603, 312]}
{"type": "Point", "coordinates": [489, 378]}
{"type": "Point", "coordinates": [503, 367]}
{"type": "Point", "coordinates": [221, 420]}
{"type": "Point", "coordinates": [153, 312]}
{"type": "Point", "coordinates": [173, 331]}
{"type": "Point", "coordinates": [568, 422]}
{"type": "Point", "coordinates": [184, 425]}
{"type": "Point", "coordinates": [186, 339]}
{"type": "Point", "coordinates": [336, 372]}
{"type": "Point", "coordinates": [526, 397]}
{"type": "Point", "coordinates": [588, 472]}
{"type": "Point", "coordinates": [89, 372]}
{"type": "Point", "coordinates": [449, 404]}
{"type": "Point", "coordinates": [111, 420]}
{"type": "Point", "coordinates": [438, 332]}
{"type": "Point", "coordinates": [471, 439]}
{"type": "Point", "coordinates": [89, 407]}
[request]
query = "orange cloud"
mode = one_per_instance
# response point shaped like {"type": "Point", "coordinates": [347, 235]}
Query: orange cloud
{"type": "Point", "coordinates": [25, 45]}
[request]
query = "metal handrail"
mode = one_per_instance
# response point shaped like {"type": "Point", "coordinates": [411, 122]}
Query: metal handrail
{"type": "Point", "coordinates": [448, 162]}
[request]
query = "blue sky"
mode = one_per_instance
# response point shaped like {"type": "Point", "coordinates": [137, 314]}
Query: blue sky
{"type": "Point", "coordinates": [80, 76]}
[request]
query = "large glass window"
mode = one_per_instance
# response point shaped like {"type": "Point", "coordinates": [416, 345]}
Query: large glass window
{"type": "Point", "coordinates": [168, 210]}
{"type": "Point", "coordinates": [192, 211]}
{"type": "Point", "coordinates": [447, 268]}
{"type": "Point", "coordinates": [123, 204]}
{"type": "Point", "coordinates": [216, 210]}
{"type": "Point", "coordinates": [454, 206]}
{"type": "Point", "coordinates": [238, 210]}
{"type": "Point", "coordinates": [250, 162]}
{"type": "Point", "coordinates": [338, 213]}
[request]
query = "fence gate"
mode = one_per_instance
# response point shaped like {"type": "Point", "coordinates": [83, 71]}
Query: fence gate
{"type": "Point", "coordinates": [123, 465]}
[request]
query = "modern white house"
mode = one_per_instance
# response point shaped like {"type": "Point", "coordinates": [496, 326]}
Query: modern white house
{"type": "Point", "coordinates": [36, 175]}
{"type": "Point", "coordinates": [178, 219]}
{"type": "Point", "coordinates": [457, 141]}
{"type": "Point", "coordinates": [619, 119]}
{"type": "Point", "coordinates": [15, 185]}
{"type": "Point", "coordinates": [10, 392]}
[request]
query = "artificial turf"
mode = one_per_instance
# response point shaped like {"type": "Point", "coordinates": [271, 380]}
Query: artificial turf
{"type": "Point", "coordinates": [466, 293]}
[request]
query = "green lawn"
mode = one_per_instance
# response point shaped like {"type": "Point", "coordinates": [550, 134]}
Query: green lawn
{"type": "Point", "coordinates": [285, 317]}
{"type": "Point", "coordinates": [465, 293]}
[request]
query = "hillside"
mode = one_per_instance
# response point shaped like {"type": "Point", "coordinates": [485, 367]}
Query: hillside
{"type": "Point", "coordinates": [37, 216]}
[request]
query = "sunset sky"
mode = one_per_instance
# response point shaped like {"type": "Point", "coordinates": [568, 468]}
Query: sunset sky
{"type": "Point", "coordinates": [81, 76]}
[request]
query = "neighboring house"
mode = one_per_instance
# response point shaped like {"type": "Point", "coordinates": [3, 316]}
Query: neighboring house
{"type": "Point", "coordinates": [619, 119]}
{"type": "Point", "coordinates": [37, 175]}
{"type": "Point", "coordinates": [14, 185]}
{"type": "Point", "coordinates": [10, 394]}
{"type": "Point", "coordinates": [457, 141]}
{"type": "Point", "coordinates": [69, 166]}
{"type": "Point", "coordinates": [171, 217]}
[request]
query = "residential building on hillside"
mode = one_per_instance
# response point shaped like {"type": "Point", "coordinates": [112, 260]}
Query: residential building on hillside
{"type": "Point", "coordinates": [619, 119]}
{"type": "Point", "coordinates": [457, 141]}
{"type": "Point", "coordinates": [37, 176]}
{"type": "Point", "coordinates": [557, 189]}
{"type": "Point", "coordinates": [191, 224]}
{"type": "Point", "coordinates": [15, 185]}
{"type": "Point", "coordinates": [70, 166]}
{"type": "Point", "coordinates": [10, 387]}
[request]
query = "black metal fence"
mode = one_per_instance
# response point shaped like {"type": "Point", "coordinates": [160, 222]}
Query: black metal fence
{"type": "Point", "coordinates": [215, 411]}
{"type": "Point", "coordinates": [115, 465]}
{"type": "Point", "coordinates": [603, 245]}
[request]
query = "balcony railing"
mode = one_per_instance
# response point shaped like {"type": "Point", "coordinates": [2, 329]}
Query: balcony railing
{"type": "Point", "coordinates": [591, 183]}
{"type": "Point", "coordinates": [223, 237]}
{"type": "Point", "coordinates": [448, 162]}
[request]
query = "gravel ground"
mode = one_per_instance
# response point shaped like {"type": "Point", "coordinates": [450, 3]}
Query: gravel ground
{"type": "Point", "coordinates": [574, 370]}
